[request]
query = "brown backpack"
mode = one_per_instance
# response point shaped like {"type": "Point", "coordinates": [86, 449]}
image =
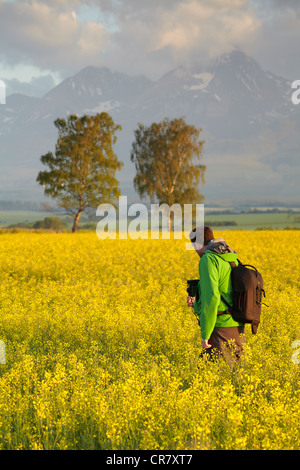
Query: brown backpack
{"type": "Point", "coordinates": [247, 285]}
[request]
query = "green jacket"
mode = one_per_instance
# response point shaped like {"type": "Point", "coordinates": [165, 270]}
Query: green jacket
{"type": "Point", "coordinates": [214, 271]}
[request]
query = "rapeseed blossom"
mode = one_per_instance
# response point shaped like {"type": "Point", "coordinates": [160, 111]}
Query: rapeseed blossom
{"type": "Point", "coordinates": [103, 353]}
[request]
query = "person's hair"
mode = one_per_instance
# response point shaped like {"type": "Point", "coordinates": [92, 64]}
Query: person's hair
{"type": "Point", "coordinates": [201, 233]}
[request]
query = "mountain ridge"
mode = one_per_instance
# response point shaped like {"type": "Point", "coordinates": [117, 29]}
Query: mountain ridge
{"type": "Point", "coordinates": [249, 124]}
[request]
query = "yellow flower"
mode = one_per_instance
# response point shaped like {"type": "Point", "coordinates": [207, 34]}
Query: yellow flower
{"type": "Point", "coordinates": [103, 353]}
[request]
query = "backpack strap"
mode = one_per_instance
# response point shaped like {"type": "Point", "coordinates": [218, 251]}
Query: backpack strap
{"type": "Point", "coordinates": [225, 302]}
{"type": "Point", "coordinates": [233, 265]}
{"type": "Point", "coordinates": [224, 312]}
{"type": "Point", "coordinates": [254, 326]}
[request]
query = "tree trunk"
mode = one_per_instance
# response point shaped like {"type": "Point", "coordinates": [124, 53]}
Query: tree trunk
{"type": "Point", "coordinates": [76, 220]}
{"type": "Point", "coordinates": [171, 217]}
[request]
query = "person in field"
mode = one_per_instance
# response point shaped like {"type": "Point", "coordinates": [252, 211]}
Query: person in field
{"type": "Point", "coordinates": [221, 335]}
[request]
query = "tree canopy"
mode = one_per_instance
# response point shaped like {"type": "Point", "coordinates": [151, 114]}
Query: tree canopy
{"type": "Point", "coordinates": [81, 173]}
{"type": "Point", "coordinates": [166, 157]}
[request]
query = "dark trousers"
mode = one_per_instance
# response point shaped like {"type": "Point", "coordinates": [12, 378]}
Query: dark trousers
{"type": "Point", "coordinates": [226, 342]}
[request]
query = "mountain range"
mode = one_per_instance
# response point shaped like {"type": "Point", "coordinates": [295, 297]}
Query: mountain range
{"type": "Point", "coordinates": [248, 121]}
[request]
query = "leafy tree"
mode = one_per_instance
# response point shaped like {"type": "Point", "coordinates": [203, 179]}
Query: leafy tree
{"type": "Point", "coordinates": [166, 157]}
{"type": "Point", "coordinates": [81, 174]}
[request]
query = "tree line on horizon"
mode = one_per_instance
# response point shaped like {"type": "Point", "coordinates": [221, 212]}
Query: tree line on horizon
{"type": "Point", "coordinates": [81, 173]}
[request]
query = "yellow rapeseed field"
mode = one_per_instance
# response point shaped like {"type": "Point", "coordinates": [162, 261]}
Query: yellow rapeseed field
{"type": "Point", "coordinates": [103, 353]}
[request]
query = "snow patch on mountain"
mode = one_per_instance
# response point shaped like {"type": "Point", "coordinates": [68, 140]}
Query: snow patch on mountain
{"type": "Point", "coordinates": [103, 107]}
{"type": "Point", "coordinates": [203, 80]}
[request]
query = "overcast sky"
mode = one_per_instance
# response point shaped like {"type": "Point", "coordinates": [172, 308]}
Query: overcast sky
{"type": "Point", "coordinates": [42, 42]}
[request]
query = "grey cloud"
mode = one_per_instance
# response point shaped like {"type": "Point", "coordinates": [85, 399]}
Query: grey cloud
{"type": "Point", "coordinates": [38, 86]}
{"type": "Point", "coordinates": [50, 38]}
{"type": "Point", "coordinates": [151, 37]}
{"type": "Point", "coordinates": [178, 31]}
{"type": "Point", "coordinates": [276, 43]}
{"type": "Point", "coordinates": [284, 4]}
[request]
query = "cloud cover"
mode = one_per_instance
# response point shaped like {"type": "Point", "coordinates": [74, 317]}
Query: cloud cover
{"type": "Point", "coordinates": [138, 36]}
{"type": "Point", "coordinates": [47, 36]}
